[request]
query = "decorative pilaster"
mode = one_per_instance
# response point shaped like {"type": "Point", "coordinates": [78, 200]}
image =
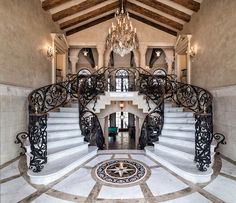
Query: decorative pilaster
{"type": "Point", "coordinates": [189, 59]}
{"type": "Point", "coordinates": [100, 49]}
{"type": "Point", "coordinates": [143, 50]}
{"type": "Point", "coordinates": [169, 59]}
{"type": "Point", "coordinates": [74, 57]}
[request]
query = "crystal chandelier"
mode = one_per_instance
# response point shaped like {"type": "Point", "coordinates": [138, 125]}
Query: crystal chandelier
{"type": "Point", "coordinates": [122, 37]}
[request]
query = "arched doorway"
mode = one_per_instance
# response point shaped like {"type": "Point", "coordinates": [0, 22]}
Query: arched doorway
{"type": "Point", "coordinates": [122, 80]}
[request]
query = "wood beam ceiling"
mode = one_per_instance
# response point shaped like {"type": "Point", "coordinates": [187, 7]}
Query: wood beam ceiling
{"type": "Point", "coordinates": [155, 25]}
{"type": "Point", "coordinates": [190, 4]}
{"type": "Point", "coordinates": [49, 4]}
{"type": "Point", "coordinates": [76, 8]}
{"type": "Point", "coordinates": [154, 16]}
{"type": "Point", "coordinates": [166, 9]}
{"type": "Point", "coordinates": [90, 15]}
{"type": "Point", "coordinates": [90, 24]}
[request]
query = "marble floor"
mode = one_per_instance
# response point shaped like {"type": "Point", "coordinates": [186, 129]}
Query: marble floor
{"type": "Point", "coordinates": [82, 185]}
{"type": "Point", "coordinates": [122, 141]}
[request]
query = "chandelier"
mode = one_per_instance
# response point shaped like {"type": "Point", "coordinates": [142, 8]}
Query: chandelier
{"type": "Point", "coordinates": [122, 37]}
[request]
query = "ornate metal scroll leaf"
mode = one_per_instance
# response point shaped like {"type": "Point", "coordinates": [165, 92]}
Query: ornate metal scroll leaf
{"type": "Point", "coordinates": [38, 141]}
{"type": "Point", "coordinates": [220, 139]}
{"type": "Point", "coordinates": [203, 139]}
{"type": "Point", "coordinates": [20, 137]}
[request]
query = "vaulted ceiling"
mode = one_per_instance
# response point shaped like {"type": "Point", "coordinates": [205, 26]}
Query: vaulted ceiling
{"type": "Point", "coordinates": [166, 15]}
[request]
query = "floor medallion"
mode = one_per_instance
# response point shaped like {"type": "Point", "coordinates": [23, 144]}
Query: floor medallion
{"type": "Point", "coordinates": [120, 171]}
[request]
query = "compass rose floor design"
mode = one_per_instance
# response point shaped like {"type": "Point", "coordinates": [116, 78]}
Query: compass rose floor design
{"type": "Point", "coordinates": [119, 176]}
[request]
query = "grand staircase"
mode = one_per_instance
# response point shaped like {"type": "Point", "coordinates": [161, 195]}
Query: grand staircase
{"type": "Point", "coordinates": [66, 148]}
{"type": "Point", "coordinates": [176, 146]}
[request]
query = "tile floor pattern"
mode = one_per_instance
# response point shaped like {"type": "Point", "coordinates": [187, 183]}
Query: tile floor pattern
{"type": "Point", "coordinates": [161, 185]}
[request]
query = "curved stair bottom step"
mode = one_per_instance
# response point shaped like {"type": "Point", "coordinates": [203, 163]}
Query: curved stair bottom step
{"type": "Point", "coordinates": [182, 167]}
{"type": "Point", "coordinates": [56, 169]}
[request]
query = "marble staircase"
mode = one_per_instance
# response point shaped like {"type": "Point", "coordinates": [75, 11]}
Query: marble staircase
{"type": "Point", "coordinates": [176, 146]}
{"type": "Point", "coordinates": [66, 148]}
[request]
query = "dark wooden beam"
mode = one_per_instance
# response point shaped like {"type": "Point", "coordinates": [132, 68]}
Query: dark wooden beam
{"type": "Point", "coordinates": [190, 4]}
{"type": "Point", "coordinates": [49, 4]}
{"type": "Point", "coordinates": [154, 16]}
{"type": "Point", "coordinates": [76, 9]}
{"type": "Point", "coordinates": [89, 15]}
{"type": "Point", "coordinates": [166, 9]}
{"type": "Point", "coordinates": [155, 25]}
{"type": "Point", "coordinates": [90, 24]}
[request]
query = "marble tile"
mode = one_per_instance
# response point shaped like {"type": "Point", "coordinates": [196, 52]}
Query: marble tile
{"type": "Point", "coordinates": [121, 156]}
{"type": "Point", "coordinates": [194, 197]}
{"type": "Point", "coordinates": [162, 182]}
{"type": "Point", "coordinates": [228, 168]}
{"type": "Point", "coordinates": [223, 188]}
{"type": "Point", "coordinates": [10, 170]}
{"type": "Point", "coordinates": [98, 159]}
{"type": "Point", "coordinates": [48, 199]}
{"type": "Point", "coordinates": [15, 190]}
{"type": "Point", "coordinates": [144, 159]}
{"type": "Point", "coordinates": [133, 192]}
{"type": "Point", "coordinates": [79, 183]}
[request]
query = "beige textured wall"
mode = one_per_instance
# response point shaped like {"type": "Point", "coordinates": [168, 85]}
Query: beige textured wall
{"type": "Point", "coordinates": [25, 32]}
{"type": "Point", "coordinates": [214, 30]}
{"type": "Point", "coordinates": [146, 35]}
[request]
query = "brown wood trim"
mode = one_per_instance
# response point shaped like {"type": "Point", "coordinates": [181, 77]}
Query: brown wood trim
{"type": "Point", "coordinates": [89, 15]}
{"type": "Point", "coordinates": [90, 24]}
{"type": "Point", "coordinates": [190, 4]}
{"type": "Point", "coordinates": [154, 16]}
{"type": "Point", "coordinates": [155, 25]}
{"type": "Point", "coordinates": [49, 4]}
{"type": "Point", "coordinates": [76, 9]}
{"type": "Point", "coordinates": [166, 9]}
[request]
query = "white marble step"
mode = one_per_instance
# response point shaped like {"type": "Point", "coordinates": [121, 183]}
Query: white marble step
{"type": "Point", "coordinates": [63, 115]}
{"type": "Point", "coordinates": [179, 115]}
{"type": "Point", "coordinates": [63, 120]}
{"type": "Point", "coordinates": [179, 126]}
{"type": "Point", "coordinates": [184, 168]}
{"type": "Point", "coordinates": [178, 133]}
{"type": "Point", "coordinates": [175, 150]}
{"type": "Point", "coordinates": [62, 151]}
{"type": "Point", "coordinates": [63, 134]}
{"type": "Point", "coordinates": [54, 143]}
{"type": "Point", "coordinates": [180, 120]}
{"type": "Point", "coordinates": [57, 127]}
{"type": "Point", "coordinates": [74, 105]}
{"type": "Point", "coordinates": [167, 104]}
{"type": "Point", "coordinates": [173, 109]}
{"type": "Point", "coordinates": [58, 168]}
{"type": "Point", "coordinates": [69, 109]}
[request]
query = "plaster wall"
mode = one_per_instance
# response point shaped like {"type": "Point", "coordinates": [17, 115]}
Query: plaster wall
{"type": "Point", "coordinates": [213, 31]}
{"type": "Point", "coordinates": [25, 34]}
{"type": "Point", "coordinates": [96, 35]}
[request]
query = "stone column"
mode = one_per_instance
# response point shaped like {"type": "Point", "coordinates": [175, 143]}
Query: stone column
{"type": "Point", "coordinates": [106, 131]}
{"type": "Point", "coordinates": [169, 59]}
{"type": "Point", "coordinates": [100, 49]}
{"type": "Point", "coordinates": [143, 50]}
{"type": "Point", "coordinates": [73, 56]}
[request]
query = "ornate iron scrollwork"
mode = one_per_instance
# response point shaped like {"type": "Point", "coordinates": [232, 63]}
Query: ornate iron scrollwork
{"type": "Point", "coordinates": [38, 141]}
{"type": "Point", "coordinates": [220, 139]}
{"type": "Point", "coordinates": [20, 137]}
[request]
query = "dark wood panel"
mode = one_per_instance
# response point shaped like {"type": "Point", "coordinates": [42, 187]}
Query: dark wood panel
{"type": "Point", "coordinates": [155, 25]}
{"type": "Point", "coordinates": [89, 15]}
{"type": "Point", "coordinates": [166, 9]}
{"type": "Point", "coordinates": [154, 16]}
{"type": "Point", "coordinates": [90, 24]}
{"type": "Point", "coordinates": [76, 9]}
{"type": "Point", "coordinates": [190, 4]}
{"type": "Point", "coordinates": [49, 4]}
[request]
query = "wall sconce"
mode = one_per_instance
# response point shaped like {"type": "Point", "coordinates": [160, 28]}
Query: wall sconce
{"type": "Point", "coordinates": [50, 52]}
{"type": "Point", "coordinates": [122, 105]}
{"type": "Point", "coordinates": [193, 51]}
{"type": "Point", "coordinates": [158, 53]}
